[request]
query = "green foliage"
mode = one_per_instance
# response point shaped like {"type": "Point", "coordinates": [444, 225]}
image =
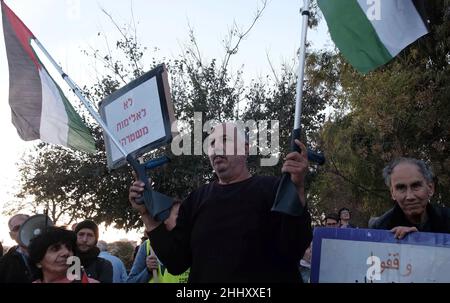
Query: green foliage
{"type": "Point", "coordinates": [401, 109]}
{"type": "Point", "coordinates": [79, 186]}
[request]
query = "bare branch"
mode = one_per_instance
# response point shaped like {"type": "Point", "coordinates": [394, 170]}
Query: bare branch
{"type": "Point", "coordinates": [231, 50]}
{"type": "Point", "coordinates": [114, 22]}
{"type": "Point", "coordinates": [272, 68]}
{"type": "Point", "coordinates": [134, 21]}
{"type": "Point", "coordinates": [347, 179]}
{"type": "Point", "coordinates": [194, 50]}
{"type": "Point", "coordinates": [107, 63]}
{"type": "Point", "coordinates": [136, 64]}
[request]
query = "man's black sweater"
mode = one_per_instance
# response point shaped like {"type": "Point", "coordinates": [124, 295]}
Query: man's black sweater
{"type": "Point", "coordinates": [228, 233]}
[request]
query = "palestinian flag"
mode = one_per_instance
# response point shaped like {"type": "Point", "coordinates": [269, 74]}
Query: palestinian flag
{"type": "Point", "coordinates": [39, 108]}
{"type": "Point", "coordinates": [84, 278]}
{"type": "Point", "coordinates": [371, 33]}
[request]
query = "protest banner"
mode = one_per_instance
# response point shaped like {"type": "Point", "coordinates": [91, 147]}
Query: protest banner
{"type": "Point", "coordinates": [348, 255]}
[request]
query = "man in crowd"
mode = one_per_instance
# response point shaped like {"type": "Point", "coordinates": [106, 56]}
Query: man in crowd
{"type": "Point", "coordinates": [226, 231]}
{"type": "Point", "coordinates": [305, 265]}
{"type": "Point", "coordinates": [331, 220]}
{"type": "Point", "coordinates": [411, 185]}
{"type": "Point", "coordinates": [96, 267]}
{"type": "Point", "coordinates": [146, 266]}
{"type": "Point", "coordinates": [119, 271]}
{"type": "Point", "coordinates": [344, 218]}
{"type": "Point", "coordinates": [14, 265]}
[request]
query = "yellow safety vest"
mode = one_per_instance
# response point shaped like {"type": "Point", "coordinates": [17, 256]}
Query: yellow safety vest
{"type": "Point", "coordinates": [163, 274]}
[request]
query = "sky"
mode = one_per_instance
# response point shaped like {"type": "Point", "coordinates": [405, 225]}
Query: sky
{"type": "Point", "coordinates": [65, 27]}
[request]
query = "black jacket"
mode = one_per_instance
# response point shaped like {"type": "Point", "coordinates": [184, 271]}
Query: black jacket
{"type": "Point", "coordinates": [438, 220]}
{"type": "Point", "coordinates": [13, 268]}
{"type": "Point", "coordinates": [95, 267]}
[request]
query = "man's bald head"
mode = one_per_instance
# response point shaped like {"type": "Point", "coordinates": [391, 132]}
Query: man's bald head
{"type": "Point", "coordinates": [19, 217]}
{"type": "Point", "coordinates": [227, 152]}
{"type": "Point", "coordinates": [231, 132]}
{"type": "Point", "coordinates": [14, 224]}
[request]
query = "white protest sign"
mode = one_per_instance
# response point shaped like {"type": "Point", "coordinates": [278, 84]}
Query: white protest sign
{"type": "Point", "coordinates": [136, 119]}
{"type": "Point", "coordinates": [374, 256]}
{"type": "Point", "coordinates": [139, 115]}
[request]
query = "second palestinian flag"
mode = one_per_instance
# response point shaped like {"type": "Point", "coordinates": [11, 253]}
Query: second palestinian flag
{"type": "Point", "coordinates": [370, 33]}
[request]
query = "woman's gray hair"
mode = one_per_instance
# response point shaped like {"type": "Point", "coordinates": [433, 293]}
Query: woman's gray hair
{"type": "Point", "coordinates": [424, 169]}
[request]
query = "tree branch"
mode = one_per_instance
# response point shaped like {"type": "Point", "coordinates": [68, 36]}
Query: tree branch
{"type": "Point", "coordinates": [127, 40]}
{"type": "Point", "coordinates": [231, 50]}
{"type": "Point", "coordinates": [277, 80]}
{"type": "Point", "coordinates": [360, 187]}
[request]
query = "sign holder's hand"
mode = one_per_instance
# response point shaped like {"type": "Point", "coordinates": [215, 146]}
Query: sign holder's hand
{"type": "Point", "coordinates": [157, 204]}
{"type": "Point", "coordinates": [401, 231]}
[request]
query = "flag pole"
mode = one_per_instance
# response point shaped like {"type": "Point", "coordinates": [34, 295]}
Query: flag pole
{"type": "Point", "coordinates": [312, 155]}
{"type": "Point", "coordinates": [83, 99]}
{"type": "Point", "coordinates": [287, 199]}
{"type": "Point", "coordinates": [153, 201]}
{"type": "Point", "coordinates": [154, 271]}
{"type": "Point", "coordinates": [301, 72]}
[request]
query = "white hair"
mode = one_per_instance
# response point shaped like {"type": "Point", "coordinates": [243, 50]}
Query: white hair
{"type": "Point", "coordinates": [102, 245]}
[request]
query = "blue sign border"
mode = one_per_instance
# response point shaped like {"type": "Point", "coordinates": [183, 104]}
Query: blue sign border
{"type": "Point", "coordinates": [369, 235]}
